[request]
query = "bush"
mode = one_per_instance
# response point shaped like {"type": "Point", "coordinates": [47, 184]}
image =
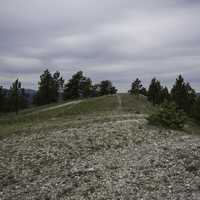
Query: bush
{"type": "Point", "coordinates": [168, 116]}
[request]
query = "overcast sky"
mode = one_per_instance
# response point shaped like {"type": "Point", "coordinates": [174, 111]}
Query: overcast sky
{"type": "Point", "coordinates": [118, 40]}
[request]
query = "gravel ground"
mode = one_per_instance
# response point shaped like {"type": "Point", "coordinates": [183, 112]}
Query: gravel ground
{"type": "Point", "coordinates": [122, 159]}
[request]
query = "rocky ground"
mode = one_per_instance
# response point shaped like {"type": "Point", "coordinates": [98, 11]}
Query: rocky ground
{"type": "Point", "coordinates": [121, 158]}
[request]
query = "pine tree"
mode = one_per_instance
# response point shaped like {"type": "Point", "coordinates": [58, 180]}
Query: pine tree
{"type": "Point", "coordinates": [49, 87]}
{"type": "Point", "coordinates": [78, 86]}
{"type": "Point", "coordinates": [155, 92]}
{"type": "Point", "coordinates": [183, 95]}
{"type": "Point", "coordinates": [137, 88]}
{"type": "Point", "coordinates": [165, 95]}
{"type": "Point", "coordinates": [85, 87]}
{"type": "Point", "coordinates": [15, 96]}
{"type": "Point", "coordinates": [191, 98]}
{"type": "Point", "coordinates": [106, 88]}
{"type": "Point", "coordinates": [143, 91]}
{"type": "Point", "coordinates": [58, 86]}
{"type": "Point", "coordinates": [46, 89]}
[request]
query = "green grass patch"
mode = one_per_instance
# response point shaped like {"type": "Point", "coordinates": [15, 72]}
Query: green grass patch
{"type": "Point", "coordinates": [132, 103]}
{"type": "Point", "coordinates": [35, 117]}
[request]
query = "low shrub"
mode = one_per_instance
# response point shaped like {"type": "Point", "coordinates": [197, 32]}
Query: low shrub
{"type": "Point", "coordinates": [168, 116]}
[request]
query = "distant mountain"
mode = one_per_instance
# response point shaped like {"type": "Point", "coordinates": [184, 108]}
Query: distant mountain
{"type": "Point", "coordinates": [29, 92]}
{"type": "Point", "coordinates": [198, 94]}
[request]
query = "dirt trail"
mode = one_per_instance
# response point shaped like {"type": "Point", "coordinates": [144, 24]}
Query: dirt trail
{"type": "Point", "coordinates": [57, 106]}
{"type": "Point", "coordinates": [60, 106]}
{"type": "Point", "coordinates": [119, 102]}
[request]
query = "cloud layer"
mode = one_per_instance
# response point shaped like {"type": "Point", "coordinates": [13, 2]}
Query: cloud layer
{"type": "Point", "coordinates": [107, 39]}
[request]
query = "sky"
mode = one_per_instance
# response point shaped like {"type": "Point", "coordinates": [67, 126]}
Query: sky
{"type": "Point", "coordinates": [118, 40]}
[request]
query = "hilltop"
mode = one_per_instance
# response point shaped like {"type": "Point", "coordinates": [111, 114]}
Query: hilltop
{"type": "Point", "coordinates": [98, 148]}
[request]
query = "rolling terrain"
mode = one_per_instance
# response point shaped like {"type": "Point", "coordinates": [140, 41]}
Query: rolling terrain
{"type": "Point", "coordinates": [100, 148]}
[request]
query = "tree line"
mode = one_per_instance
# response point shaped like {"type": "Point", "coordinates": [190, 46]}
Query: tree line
{"type": "Point", "coordinates": [182, 95]}
{"type": "Point", "coordinates": [52, 88]}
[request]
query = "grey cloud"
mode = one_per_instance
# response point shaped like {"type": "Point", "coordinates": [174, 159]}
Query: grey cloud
{"type": "Point", "coordinates": [108, 39]}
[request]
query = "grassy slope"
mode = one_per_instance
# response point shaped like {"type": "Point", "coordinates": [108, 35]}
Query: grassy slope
{"type": "Point", "coordinates": [136, 104]}
{"type": "Point", "coordinates": [25, 120]}
{"type": "Point", "coordinates": [95, 109]}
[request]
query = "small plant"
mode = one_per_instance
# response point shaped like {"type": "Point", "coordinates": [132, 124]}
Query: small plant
{"type": "Point", "coordinates": [168, 116]}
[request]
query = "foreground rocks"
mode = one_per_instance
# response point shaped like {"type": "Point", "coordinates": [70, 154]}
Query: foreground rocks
{"type": "Point", "coordinates": [120, 159]}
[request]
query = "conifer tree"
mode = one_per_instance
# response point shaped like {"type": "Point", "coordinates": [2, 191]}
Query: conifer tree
{"type": "Point", "coordinates": [106, 88]}
{"type": "Point", "coordinates": [155, 92]}
{"type": "Point", "coordinates": [78, 86]}
{"type": "Point", "coordinates": [49, 87]}
{"type": "Point", "coordinates": [45, 89]}
{"type": "Point", "coordinates": [183, 95]}
{"type": "Point", "coordinates": [15, 96]}
{"type": "Point", "coordinates": [144, 91]}
{"type": "Point", "coordinates": [58, 85]}
{"type": "Point", "coordinates": [137, 88]}
{"type": "Point", "coordinates": [165, 95]}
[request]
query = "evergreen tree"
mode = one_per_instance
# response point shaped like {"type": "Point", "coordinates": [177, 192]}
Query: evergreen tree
{"type": "Point", "coordinates": [155, 92]}
{"type": "Point", "coordinates": [137, 88]}
{"type": "Point", "coordinates": [78, 86]}
{"type": "Point", "coordinates": [49, 87]}
{"type": "Point", "coordinates": [106, 88]}
{"type": "Point", "coordinates": [143, 91]}
{"type": "Point", "coordinates": [191, 98]}
{"type": "Point", "coordinates": [165, 95]}
{"type": "Point", "coordinates": [46, 88]}
{"type": "Point", "coordinates": [58, 85]}
{"type": "Point", "coordinates": [15, 96]}
{"type": "Point", "coordinates": [183, 95]}
{"type": "Point", "coordinates": [85, 87]}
